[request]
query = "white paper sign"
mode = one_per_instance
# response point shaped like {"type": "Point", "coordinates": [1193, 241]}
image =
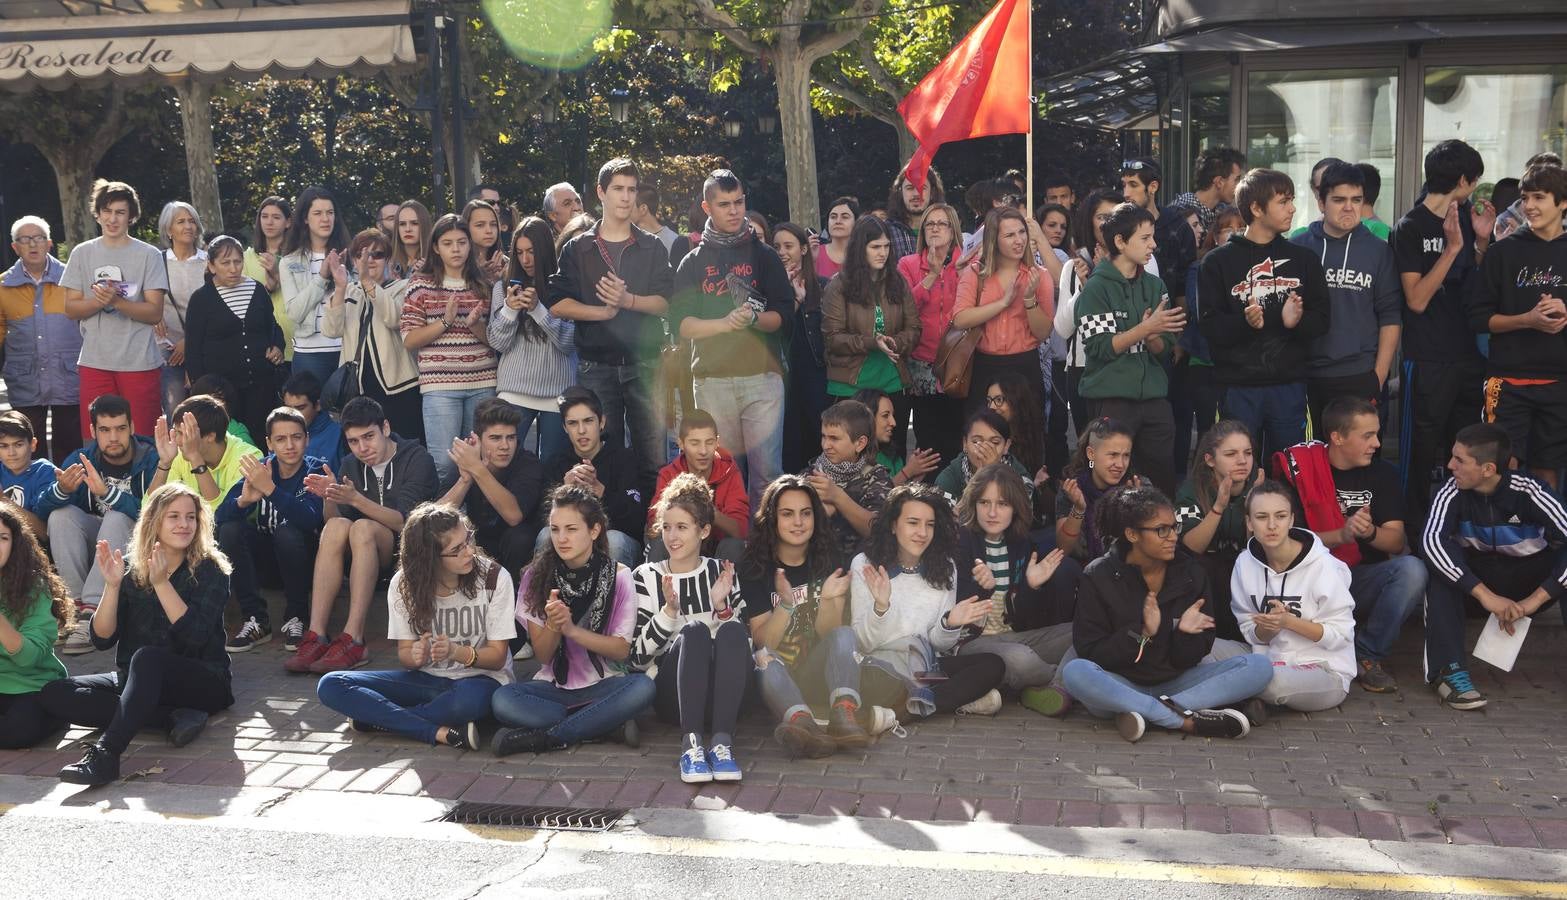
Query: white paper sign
{"type": "Point", "coordinates": [1499, 648]}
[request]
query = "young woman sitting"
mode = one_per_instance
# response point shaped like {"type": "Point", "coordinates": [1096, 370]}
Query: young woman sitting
{"type": "Point", "coordinates": [905, 613]}
{"type": "Point", "coordinates": [450, 611]}
{"type": "Point", "coordinates": [1210, 509]}
{"type": "Point", "coordinates": [1308, 633]}
{"type": "Point", "coordinates": [1103, 461]}
{"type": "Point", "coordinates": [1029, 625]}
{"type": "Point", "coordinates": [166, 622]}
{"type": "Point", "coordinates": [1142, 632]}
{"type": "Point", "coordinates": [796, 595]}
{"type": "Point", "coordinates": [987, 439]}
{"type": "Point", "coordinates": [689, 637]}
{"type": "Point", "coordinates": [34, 605]}
{"type": "Point", "coordinates": [580, 609]}
{"type": "Point", "coordinates": [888, 454]}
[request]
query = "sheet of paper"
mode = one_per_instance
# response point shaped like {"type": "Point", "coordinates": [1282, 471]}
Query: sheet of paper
{"type": "Point", "coordinates": [1499, 648]}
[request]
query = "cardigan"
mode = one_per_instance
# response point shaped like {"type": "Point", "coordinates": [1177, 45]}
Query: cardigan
{"type": "Point", "coordinates": [218, 342]}
{"type": "Point", "coordinates": [369, 329]}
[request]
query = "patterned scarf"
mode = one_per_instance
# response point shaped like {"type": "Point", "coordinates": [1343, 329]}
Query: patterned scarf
{"type": "Point", "coordinates": [588, 592]}
{"type": "Point", "coordinates": [717, 238]}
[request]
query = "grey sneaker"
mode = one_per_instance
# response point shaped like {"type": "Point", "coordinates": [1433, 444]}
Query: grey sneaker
{"type": "Point", "coordinates": [988, 705]}
{"type": "Point", "coordinates": [1456, 690]}
{"type": "Point", "coordinates": [77, 639]}
{"type": "Point", "coordinates": [1374, 678]}
{"type": "Point", "coordinates": [1131, 726]}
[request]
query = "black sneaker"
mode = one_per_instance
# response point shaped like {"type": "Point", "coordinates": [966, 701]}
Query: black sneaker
{"type": "Point", "coordinates": [364, 727]}
{"type": "Point", "coordinates": [802, 737]}
{"type": "Point", "coordinates": [1227, 723]}
{"type": "Point", "coordinates": [508, 741]}
{"type": "Point", "coordinates": [293, 631]}
{"type": "Point", "coordinates": [185, 725]}
{"type": "Point", "coordinates": [628, 733]}
{"type": "Point", "coordinates": [1374, 678]}
{"type": "Point", "coordinates": [251, 634]}
{"type": "Point", "coordinates": [98, 766]}
{"type": "Point", "coordinates": [464, 737]}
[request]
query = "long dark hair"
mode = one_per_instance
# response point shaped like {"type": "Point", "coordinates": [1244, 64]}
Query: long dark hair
{"type": "Point", "coordinates": [1097, 432]}
{"type": "Point", "coordinates": [545, 264]}
{"type": "Point", "coordinates": [1085, 237]}
{"type": "Point", "coordinates": [435, 268]}
{"type": "Point", "coordinates": [297, 238]}
{"type": "Point", "coordinates": [1126, 507]}
{"type": "Point", "coordinates": [861, 283]}
{"type": "Point", "coordinates": [1013, 489]}
{"type": "Point", "coordinates": [467, 214]}
{"type": "Point", "coordinates": [759, 559]}
{"type": "Point", "coordinates": [938, 565]}
{"type": "Point", "coordinates": [258, 240]}
{"type": "Point", "coordinates": [813, 284]}
{"type": "Point", "coordinates": [1201, 473]}
{"type": "Point", "coordinates": [420, 562]}
{"type": "Point", "coordinates": [546, 562]}
{"type": "Point", "coordinates": [1028, 421]}
{"type": "Point", "coordinates": [27, 572]}
{"type": "Point", "coordinates": [1068, 244]}
{"type": "Point", "coordinates": [400, 261]}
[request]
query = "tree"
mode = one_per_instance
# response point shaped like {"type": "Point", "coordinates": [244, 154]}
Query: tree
{"type": "Point", "coordinates": [788, 41]}
{"type": "Point", "coordinates": [195, 99]}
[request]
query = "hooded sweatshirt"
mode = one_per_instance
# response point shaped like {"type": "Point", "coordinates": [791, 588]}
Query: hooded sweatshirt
{"type": "Point", "coordinates": [28, 488]}
{"type": "Point", "coordinates": [1364, 295]}
{"type": "Point", "coordinates": [1240, 270]}
{"type": "Point", "coordinates": [1315, 586]}
{"type": "Point", "coordinates": [124, 495]}
{"type": "Point", "coordinates": [1109, 305]}
{"type": "Point", "coordinates": [729, 494]}
{"type": "Point", "coordinates": [408, 480]}
{"type": "Point", "coordinates": [290, 503]}
{"type": "Point", "coordinates": [1515, 273]}
{"type": "Point", "coordinates": [702, 292]}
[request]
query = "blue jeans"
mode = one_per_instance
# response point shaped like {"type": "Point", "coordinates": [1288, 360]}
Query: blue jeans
{"type": "Point", "coordinates": [295, 552]}
{"type": "Point", "coordinates": [552, 431]}
{"type": "Point", "coordinates": [408, 702]}
{"type": "Point", "coordinates": [828, 671]}
{"type": "Point", "coordinates": [627, 395]}
{"type": "Point", "coordinates": [1386, 595]}
{"type": "Point", "coordinates": [1206, 685]}
{"type": "Point", "coordinates": [321, 363]}
{"type": "Point", "coordinates": [1275, 414]}
{"type": "Point", "coordinates": [448, 415]}
{"type": "Point", "coordinates": [574, 716]}
{"type": "Point", "coordinates": [750, 416]}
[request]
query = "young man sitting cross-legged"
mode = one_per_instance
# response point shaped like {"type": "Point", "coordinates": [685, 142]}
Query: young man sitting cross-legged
{"type": "Point", "coordinates": [363, 509]}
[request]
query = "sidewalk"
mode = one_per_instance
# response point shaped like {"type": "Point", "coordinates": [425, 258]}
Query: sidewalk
{"type": "Point", "coordinates": [1396, 767]}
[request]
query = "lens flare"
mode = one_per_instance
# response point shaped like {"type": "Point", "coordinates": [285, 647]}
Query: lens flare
{"type": "Point", "coordinates": [554, 33]}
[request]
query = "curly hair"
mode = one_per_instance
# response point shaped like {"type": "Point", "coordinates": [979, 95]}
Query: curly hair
{"type": "Point", "coordinates": [27, 573]}
{"type": "Point", "coordinates": [759, 559]}
{"type": "Point", "coordinates": [939, 562]}
{"type": "Point", "coordinates": [688, 492]}
{"type": "Point", "coordinates": [203, 547]}
{"type": "Point", "coordinates": [1014, 490]}
{"type": "Point", "coordinates": [424, 534]}
{"type": "Point", "coordinates": [1126, 507]}
{"type": "Point", "coordinates": [1028, 421]}
{"type": "Point", "coordinates": [546, 561]}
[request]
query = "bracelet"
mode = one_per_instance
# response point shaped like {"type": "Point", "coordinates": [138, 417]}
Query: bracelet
{"type": "Point", "coordinates": [1075, 514]}
{"type": "Point", "coordinates": [165, 468]}
{"type": "Point", "coordinates": [475, 659]}
{"type": "Point", "coordinates": [1216, 511]}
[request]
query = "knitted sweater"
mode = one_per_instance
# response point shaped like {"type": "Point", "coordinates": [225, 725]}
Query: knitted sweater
{"type": "Point", "coordinates": [535, 370]}
{"type": "Point", "coordinates": [458, 360]}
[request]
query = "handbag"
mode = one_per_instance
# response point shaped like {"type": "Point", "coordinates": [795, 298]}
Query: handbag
{"type": "Point", "coordinates": [955, 359]}
{"type": "Point", "coordinates": [343, 384]}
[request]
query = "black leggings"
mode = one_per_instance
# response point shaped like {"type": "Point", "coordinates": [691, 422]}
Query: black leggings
{"type": "Point", "coordinates": [969, 677]}
{"type": "Point", "coordinates": [702, 678]}
{"type": "Point", "coordinates": [24, 721]}
{"type": "Point", "coordinates": [158, 680]}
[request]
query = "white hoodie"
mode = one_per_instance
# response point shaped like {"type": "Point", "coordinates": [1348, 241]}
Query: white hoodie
{"type": "Point", "coordinates": [1315, 587]}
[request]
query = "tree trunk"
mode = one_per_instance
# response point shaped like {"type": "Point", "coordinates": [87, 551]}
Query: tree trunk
{"type": "Point", "coordinates": [73, 171]}
{"type": "Point", "coordinates": [906, 143]}
{"type": "Point", "coordinates": [200, 159]}
{"type": "Point", "coordinates": [792, 71]}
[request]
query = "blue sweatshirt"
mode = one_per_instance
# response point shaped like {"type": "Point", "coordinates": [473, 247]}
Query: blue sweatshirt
{"type": "Point", "coordinates": [290, 503]}
{"type": "Point", "coordinates": [1364, 294]}
{"type": "Point", "coordinates": [326, 440]}
{"type": "Point", "coordinates": [29, 487]}
{"type": "Point", "coordinates": [124, 495]}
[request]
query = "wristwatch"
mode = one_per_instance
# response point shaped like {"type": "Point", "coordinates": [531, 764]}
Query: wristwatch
{"type": "Point", "coordinates": [199, 470]}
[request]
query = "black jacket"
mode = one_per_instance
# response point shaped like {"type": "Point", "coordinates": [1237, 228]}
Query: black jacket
{"type": "Point", "coordinates": [1519, 519]}
{"type": "Point", "coordinates": [620, 473]}
{"type": "Point", "coordinates": [220, 343]}
{"type": "Point", "coordinates": [1027, 608]}
{"type": "Point", "coordinates": [630, 336]}
{"type": "Point", "coordinates": [1239, 270]}
{"type": "Point", "coordinates": [197, 636]}
{"type": "Point", "coordinates": [1109, 618]}
{"type": "Point", "coordinates": [1177, 248]}
{"type": "Point", "coordinates": [1515, 273]}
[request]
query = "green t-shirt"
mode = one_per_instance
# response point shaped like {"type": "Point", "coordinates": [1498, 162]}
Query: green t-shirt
{"type": "Point", "coordinates": [892, 464]}
{"type": "Point", "coordinates": [34, 663]}
{"type": "Point", "coordinates": [878, 372]}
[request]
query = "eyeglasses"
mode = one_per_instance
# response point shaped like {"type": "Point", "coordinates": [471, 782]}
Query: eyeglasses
{"type": "Point", "coordinates": [995, 442]}
{"type": "Point", "coordinates": [937, 224]}
{"type": "Point", "coordinates": [995, 401]}
{"type": "Point", "coordinates": [466, 548]}
{"type": "Point", "coordinates": [1163, 532]}
{"type": "Point", "coordinates": [32, 240]}
{"type": "Point", "coordinates": [376, 255]}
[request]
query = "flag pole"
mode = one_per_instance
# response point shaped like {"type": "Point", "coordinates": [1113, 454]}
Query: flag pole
{"type": "Point", "coordinates": [1028, 137]}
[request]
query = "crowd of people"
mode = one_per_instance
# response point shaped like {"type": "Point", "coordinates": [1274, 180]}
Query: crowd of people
{"type": "Point", "coordinates": [829, 470]}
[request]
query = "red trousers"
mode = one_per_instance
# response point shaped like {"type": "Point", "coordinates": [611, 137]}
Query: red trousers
{"type": "Point", "coordinates": [143, 390]}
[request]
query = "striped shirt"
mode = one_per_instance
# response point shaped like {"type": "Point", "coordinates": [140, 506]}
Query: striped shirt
{"type": "Point", "coordinates": [457, 360]}
{"type": "Point", "coordinates": [655, 630]}
{"type": "Point", "coordinates": [237, 298]}
{"type": "Point", "coordinates": [1000, 565]}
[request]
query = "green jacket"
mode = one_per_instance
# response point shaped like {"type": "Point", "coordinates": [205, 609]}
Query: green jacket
{"type": "Point", "coordinates": [34, 664]}
{"type": "Point", "coordinates": [1109, 305]}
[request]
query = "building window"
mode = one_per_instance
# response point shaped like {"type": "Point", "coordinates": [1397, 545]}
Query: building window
{"type": "Point", "coordinates": [1295, 118]}
{"type": "Point", "coordinates": [1508, 113]}
{"type": "Point", "coordinates": [1210, 111]}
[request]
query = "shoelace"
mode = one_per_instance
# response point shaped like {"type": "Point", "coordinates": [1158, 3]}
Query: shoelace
{"type": "Point", "coordinates": [1459, 682]}
{"type": "Point", "coordinates": [695, 757]}
{"type": "Point", "coordinates": [251, 628]}
{"type": "Point", "coordinates": [722, 754]}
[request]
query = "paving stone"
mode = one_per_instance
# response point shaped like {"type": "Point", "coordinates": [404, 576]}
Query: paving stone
{"type": "Point", "coordinates": [1249, 821]}
{"type": "Point", "coordinates": [877, 806]}
{"type": "Point", "coordinates": [1512, 831]}
{"type": "Point", "coordinates": [1207, 818]}
{"type": "Point", "coordinates": [919, 807]}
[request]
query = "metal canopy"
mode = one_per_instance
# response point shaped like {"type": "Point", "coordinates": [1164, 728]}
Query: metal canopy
{"type": "Point", "coordinates": [1117, 92]}
{"type": "Point", "coordinates": [92, 41]}
{"type": "Point", "coordinates": [1263, 36]}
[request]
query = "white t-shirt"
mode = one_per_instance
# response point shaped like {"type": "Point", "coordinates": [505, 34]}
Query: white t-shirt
{"type": "Point", "coordinates": [111, 340]}
{"type": "Point", "coordinates": [466, 621]}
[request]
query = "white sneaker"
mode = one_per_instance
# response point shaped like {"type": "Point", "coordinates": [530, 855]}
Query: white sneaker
{"type": "Point", "coordinates": [293, 631]}
{"type": "Point", "coordinates": [524, 652]}
{"type": "Point", "coordinates": [988, 705]}
{"type": "Point", "coordinates": [882, 720]}
{"type": "Point", "coordinates": [78, 639]}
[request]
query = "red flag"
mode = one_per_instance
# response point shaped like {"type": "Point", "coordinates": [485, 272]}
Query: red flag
{"type": "Point", "coordinates": [980, 89]}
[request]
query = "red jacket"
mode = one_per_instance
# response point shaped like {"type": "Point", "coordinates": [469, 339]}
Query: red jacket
{"type": "Point", "coordinates": [729, 494]}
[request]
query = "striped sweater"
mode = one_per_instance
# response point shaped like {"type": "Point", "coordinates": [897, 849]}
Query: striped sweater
{"type": "Point", "coordinates": [655, 630]}
{"type": "Point", "coordinates": [536, 370]}
{"type": "Point", "coordinates": [458, 360]}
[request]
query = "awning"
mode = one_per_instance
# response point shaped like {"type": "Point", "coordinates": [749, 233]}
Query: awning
{"type": "Point", "coordinates": [210, 42]}
{"type": "Point", "coordinates": [1117, 92]}
{"type": "Point", "coordinates": [1263, 36]}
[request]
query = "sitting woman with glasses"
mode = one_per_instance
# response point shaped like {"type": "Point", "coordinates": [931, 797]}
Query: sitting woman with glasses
{"type": "Point", "coordinates": [451, 613]}
{"type": "Point", "coordinates": [1143, 627]}
{"type": "Point", "coordinates": [986, 439]}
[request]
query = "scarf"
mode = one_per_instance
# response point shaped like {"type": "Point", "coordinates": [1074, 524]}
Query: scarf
{"type": "Point", "coordinates": [719, 239]}
{"type": "Point", "coordinates": [1091, 495]}
{"type": "Point", "coordinates": [841, 473]}
{"type": "Point", "coordinates": [587, 591]}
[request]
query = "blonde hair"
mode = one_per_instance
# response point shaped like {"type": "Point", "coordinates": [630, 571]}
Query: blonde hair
{"type": "Point", "coordinates": [203, 547]}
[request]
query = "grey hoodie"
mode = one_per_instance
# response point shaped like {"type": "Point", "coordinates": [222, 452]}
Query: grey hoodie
{"type": "Point", "coordinates": [1364, 294]}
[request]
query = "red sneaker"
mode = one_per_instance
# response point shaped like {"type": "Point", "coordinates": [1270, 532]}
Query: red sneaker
{"type": "Point", "coordinates": [311, 647]}
{"type": "Point", "coordinates": [342, 655]}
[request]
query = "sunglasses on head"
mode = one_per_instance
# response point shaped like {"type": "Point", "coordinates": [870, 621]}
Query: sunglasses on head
{"type": "Point", "coordinates": [1136, 165]}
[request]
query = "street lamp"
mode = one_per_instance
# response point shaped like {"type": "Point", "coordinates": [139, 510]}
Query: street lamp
{"type": "Point", "coordinates": [732, 124]}
{"type": "Point", "coordinates": [766, 123]}
{"type": "Point", "coordinates": [619, 104]}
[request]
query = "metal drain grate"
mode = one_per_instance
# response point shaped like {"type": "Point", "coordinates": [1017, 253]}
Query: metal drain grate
{"type": "Point", "coordinates": [559, 818]}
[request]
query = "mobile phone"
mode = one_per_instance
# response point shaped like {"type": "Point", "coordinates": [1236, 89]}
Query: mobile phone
{"type": "Point", "coordinates": [515, 282]}
{"type": "Point", "coordinates": [930, 677]}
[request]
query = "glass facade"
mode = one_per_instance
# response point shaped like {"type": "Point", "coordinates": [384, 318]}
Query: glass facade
{"type": "Point", "coordinates": [1508, 113]}
{"type": "Point", "coordinates": [1294, 118]}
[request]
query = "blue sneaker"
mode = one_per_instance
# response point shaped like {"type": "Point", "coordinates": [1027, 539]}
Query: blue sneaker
{"type": "Point", "coordinates": [722, 763]}
{"type": "Point", "coordinates": [693, 762]}
{"type": "Point", "coordinates": [1457, 691]}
